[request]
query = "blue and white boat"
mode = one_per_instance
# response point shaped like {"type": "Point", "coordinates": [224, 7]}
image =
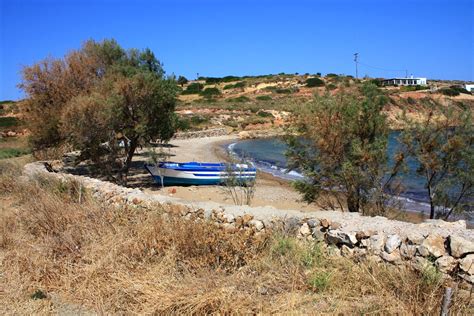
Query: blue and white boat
{"type": "Point", "coordinates": [199, 173]}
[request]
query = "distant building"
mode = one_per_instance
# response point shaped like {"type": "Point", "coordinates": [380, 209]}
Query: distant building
{"type": "Point", "coordinates": [469, 87]}
{"type": "Point", "coordinates": [405, 81]}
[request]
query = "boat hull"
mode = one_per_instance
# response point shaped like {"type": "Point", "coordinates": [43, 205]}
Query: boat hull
{"type": "Point", "coordinates": [169, 174]}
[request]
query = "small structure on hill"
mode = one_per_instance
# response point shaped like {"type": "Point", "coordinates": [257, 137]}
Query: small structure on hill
{"type": "Point", "coordinates": [405, 81]}
{"type": "Point", "coordinates": [469, 87]}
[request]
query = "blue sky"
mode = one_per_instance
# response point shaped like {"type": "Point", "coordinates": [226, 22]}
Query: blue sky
{"type": "Point", "coordinates": [431, 39]}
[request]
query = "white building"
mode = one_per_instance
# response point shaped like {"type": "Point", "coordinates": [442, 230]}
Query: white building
{"type": "Point", "coordinates": [469, 87]}
{"type": "Point", "coordinates": [405, 81]}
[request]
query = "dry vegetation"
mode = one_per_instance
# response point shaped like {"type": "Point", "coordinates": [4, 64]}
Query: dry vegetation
{"type": "Point", "coordinates": [60, 251]}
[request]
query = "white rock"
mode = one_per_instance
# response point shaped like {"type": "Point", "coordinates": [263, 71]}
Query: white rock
{"type": "Point", "coordinates": [305, 230]}
{"type": "Point", "coordinates": [338, 237]}
{"type": "Point", "coordinates": [434, 244]}
{"type": "Point", "coordinates": [460, 246]}
{"type": "Point", "coordinates": [376, 243]}
{"type": "Point", "coordinates": [393, 257]}
{"type": "Point", "coordinates": [407, 251]}
{"type": "Point", "coordinates": [415, 238]}
{"type": "Point", "coordinates": [257, 224]}
{"type": "Point", "coordinates": [467, 264]}
{"type": "Point", "coordinates": [392, 243]}
{"type": "Point", "coordinates": [446, 264]}
{"type": "Point", "coordinates": [229, 218]}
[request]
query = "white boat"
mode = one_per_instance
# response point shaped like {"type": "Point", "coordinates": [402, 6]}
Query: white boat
{"type": "Point", "coordinates": [199, 173]}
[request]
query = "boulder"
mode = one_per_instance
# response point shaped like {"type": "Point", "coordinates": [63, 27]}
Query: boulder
{"type": "Point", "coordinates": [375, 243]}
{"type": "Point", "coordinates": [393, 257]}
{"type": "Point", "coordinates": [460, 246]}
{"type": "Point", "coordinates": [407, 251]}
{"type": "Point", "coordinates": [415, 238]}
{"type": "Point", "coordinates": [325, 223]}
{"type": "Point", "coordinates": [318, 233]}
{"type": "Point", "coordinates": [228, 218]}
{"type": "Point", "coordinates": [335, 225]}
{"type": "Point", "coordinates": [433, 245]}
{"type": "Point", "coordinates": [258, 225]}
{"type": "Point", "coordinates": [446, 264]}
{"type": "Point", "coordinates": [392, 243]}
{"type": "Point", "coordinates": [467, 264]}
{"type": "Point", "coordinates": [305, 230]}
{"type": "Point", "coordinates": [337, 237]}
{"type": "Point", "coordinates": [246, 218]}
{"type": "Point", "coordinates": [312, 222]}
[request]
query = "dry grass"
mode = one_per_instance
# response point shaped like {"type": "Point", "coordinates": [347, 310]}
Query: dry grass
{"type": "Point", "coordinates": [116, 260]}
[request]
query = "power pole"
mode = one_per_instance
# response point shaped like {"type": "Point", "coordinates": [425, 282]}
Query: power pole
{"type": "Point", "coordinates": [356, 56]}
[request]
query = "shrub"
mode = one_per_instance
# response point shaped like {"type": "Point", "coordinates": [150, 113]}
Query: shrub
{"type": "Point", "coordinates": [239, 84]}
{"type": "Point", "coordinates": [13, 152]}
{"type": "Point", "coordinates": [331, 75]}
{"type": "Point", "coordinates": [460, 89]}
{"type": "Point", "coordinates": [263, 98]}
{"type": "Point", "coordinates": [413, 88]}
{"type": "Point", "coordinates": [449, 92]}
{"type": "Point", "coordinates": [314, 82]}
{"type": "Point", "coordinates": [331, 86]}
{"type": "Point", "coordinates": [319, 281]}
{"type": "Point", "coordinates": [8, 122]}
{"type": "Point", "coordinates": [264, 114]}
{"type": "Point", "coordinates": [283, 91]}
{"type": "Point", "coordinates": [210, 92]}
{"type": "Point", "coordinates": [239, 99]}
{"type": "Point", "coordinates": [193, 88]}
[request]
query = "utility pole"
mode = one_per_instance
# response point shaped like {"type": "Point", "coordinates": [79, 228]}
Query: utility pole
{"type": "Point", "coordinates": [356, 56]}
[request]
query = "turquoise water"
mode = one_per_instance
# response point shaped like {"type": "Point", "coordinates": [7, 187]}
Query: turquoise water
{"type": "Point", "coordinates": [268, 155]}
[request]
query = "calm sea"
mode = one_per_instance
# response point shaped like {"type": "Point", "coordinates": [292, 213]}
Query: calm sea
{"type": "Point", "coordinates": [268, 155]}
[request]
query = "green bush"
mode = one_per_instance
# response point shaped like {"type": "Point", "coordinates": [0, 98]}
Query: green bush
{"type": "Point", "coordinates": [210, 92]}
{"type": "Point", "coordinates": [319, 281]}
{"type": "Point", "coordinates": [194, 88]}
{"type": "Point", "coordinates": [331, 86]}
{"type": "Point", "coordinates": [460, 89]}
{"type": "Point", "coordinates": [198, 119]}
{"type": "Point", "coordinates": [214, 80]}
{"type": "Point", "coordinates": [283, 91]}
{"type": "Point", "coordinates": [331, 75]}
{"type": "Point", "coordinates": [413, 88]}
{"type": "Point", "coordinates": [314, 82]}
{"type": "Point", "coordinates": [7, 122]}
{"type": "Point", "coordinates": [239, 84]}
{"type": "Point", "coordinates": [263, 98]}
{"type": "Point", "coordinates": [264, 114]}
{"type": "Point", "coordinates": [239, 99]}
{"type": "Point", "coordinates": [13, 152]}
{"type": "Point", "coordinates": [449, 92]}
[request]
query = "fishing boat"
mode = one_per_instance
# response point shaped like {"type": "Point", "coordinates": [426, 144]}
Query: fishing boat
{"type": "Point", "coordinates": [200, 173]}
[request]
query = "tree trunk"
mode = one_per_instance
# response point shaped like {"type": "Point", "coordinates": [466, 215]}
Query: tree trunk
{"type": "Point", "coordinates": [432, 206]}
{"type": "Point", "coordinates": [128, 161]}
{"type": "Point", "coordinates": [353, 201]}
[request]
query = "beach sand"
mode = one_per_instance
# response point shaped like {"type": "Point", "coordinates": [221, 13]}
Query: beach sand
{"type": "Point", "coordinates": [270, 191]}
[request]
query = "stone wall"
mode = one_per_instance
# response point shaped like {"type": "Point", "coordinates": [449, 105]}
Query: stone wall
{"type": "Point", "coordinates": [448, 246]}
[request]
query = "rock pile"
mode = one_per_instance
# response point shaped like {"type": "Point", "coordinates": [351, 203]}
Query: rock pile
{"type": "Point", "coordinates": [448, 246]}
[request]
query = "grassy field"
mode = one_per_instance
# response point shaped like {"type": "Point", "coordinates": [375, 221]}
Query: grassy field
{"type": "Point", "coordinates": [64, 252]}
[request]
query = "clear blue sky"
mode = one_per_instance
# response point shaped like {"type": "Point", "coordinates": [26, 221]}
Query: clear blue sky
{"type": "Point", "coordinates": [431, 39]}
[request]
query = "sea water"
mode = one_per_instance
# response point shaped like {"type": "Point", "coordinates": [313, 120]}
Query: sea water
{"type": "Point", "coordinates": [268, 155]}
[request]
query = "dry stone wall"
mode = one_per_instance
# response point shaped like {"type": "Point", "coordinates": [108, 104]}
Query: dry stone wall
{"type": "Point", "coordinates": [448, 246]}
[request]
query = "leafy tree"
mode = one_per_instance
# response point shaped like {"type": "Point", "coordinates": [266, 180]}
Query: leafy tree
{"type": "Point", "coordinates": [193, 88]}
{"type": "Point", "coordinates": [210, 92]}
{"type": "Point", "coordinates": [182, 80]}
{"type": "Point", "coordinates": [443, 147]}
{"type": "Point", "coordinates": [339, 142]}
{"type": "Point", "coordinates": [314, 82]}
{"type": "Point", "coordinates": [115, 100]}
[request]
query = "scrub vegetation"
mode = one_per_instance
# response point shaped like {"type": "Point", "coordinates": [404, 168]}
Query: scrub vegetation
{"type": "Point", "coordinates": [63, 252]}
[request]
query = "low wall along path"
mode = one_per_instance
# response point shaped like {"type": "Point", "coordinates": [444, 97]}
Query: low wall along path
{"type": "Point", "coordinates": [448, 246]}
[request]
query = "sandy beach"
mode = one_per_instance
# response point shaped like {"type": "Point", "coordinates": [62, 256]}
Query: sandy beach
{"type": "Point", "coordinates": [270, 191]}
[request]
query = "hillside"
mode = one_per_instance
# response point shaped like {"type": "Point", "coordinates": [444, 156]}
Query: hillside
{"type": "Point", "coordinates": [266, 102]}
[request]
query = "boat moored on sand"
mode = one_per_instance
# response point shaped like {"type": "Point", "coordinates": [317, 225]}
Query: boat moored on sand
{"type": "Point", "coordinates": [200, 173]}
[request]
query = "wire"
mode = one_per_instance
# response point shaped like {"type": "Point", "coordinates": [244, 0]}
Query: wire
{"type": "Point", "coordinates": [384, 69]}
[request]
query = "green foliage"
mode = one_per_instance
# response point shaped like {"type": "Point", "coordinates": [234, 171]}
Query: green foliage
{"type": "Point", "coordinates": [449, 92]}
{"type": "Point", "coordinates": [430, 275]}
{"type": "Point", "coordinates": [213, 80]}
{"type": "Point", "coordinates": [413, 88]}
{"type": "Point", "coordinates": [459, 89]}
{"type": "Point", "coordinates": [314, 82]}
{"type": "Point", "coordinates": [182, 80]}
{"type": "Point", "coordinates": [331, 86]}
{"type": "Point", "coordinates": [240, 84]}
{"type": "Point", "coordinates": [38, 295]}
{"type": "Point", "coordinates": [331, 75]}
{"type": "Point", "coordinates": [264, 114]}
{"type": "Point", "coordinates": [342, 144]}
{"type": "Point", "coordinates": [239, 99]}
{"type": "Point", "coordinates": [263, 98]}
{"type": "Point", "coordinates": [319, 281]}
{"type": "Point", "coordinates": [13, 152]}
{"type": "Point", "coordinates": [443, 147]}
{"type": "Point", "coordinates": [210, 92]}
{"type": "Point", "coordinates": [193, 88]}
{"type": "Point", "coordinates": [98, 98]}
{"type": "Point", "coordinates": [282, 246]}
{"type": "Point", "coordinates": [8, 122]}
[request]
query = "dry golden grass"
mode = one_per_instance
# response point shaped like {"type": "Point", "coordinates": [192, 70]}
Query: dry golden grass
{"type": "Point", "coordinates": [84, 256]}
